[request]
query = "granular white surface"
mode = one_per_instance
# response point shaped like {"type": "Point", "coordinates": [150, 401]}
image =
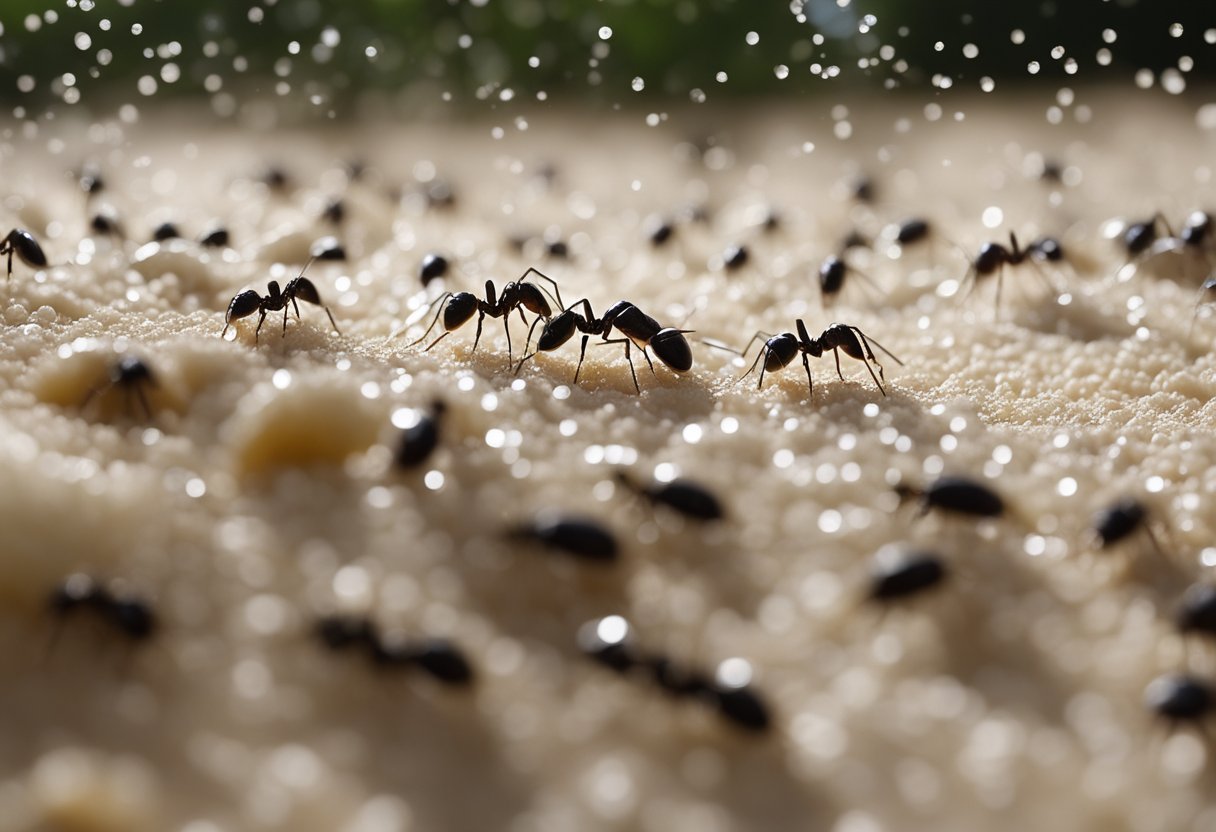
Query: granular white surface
{"type": "Point", "coordinates": [260, 493]}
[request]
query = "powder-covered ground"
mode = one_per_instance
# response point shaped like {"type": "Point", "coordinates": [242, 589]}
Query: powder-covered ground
{"type": "Point", "coordinates": [261, 494]}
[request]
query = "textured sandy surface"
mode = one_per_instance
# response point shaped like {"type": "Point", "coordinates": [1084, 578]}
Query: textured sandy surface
{"type": "Point", "coordinates": [260, 493]}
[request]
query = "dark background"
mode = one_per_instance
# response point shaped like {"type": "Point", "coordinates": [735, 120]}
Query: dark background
{"type": "Point", "coordinates": [676, 46]}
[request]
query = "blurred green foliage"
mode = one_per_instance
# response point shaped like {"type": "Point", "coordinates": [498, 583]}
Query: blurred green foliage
{"type": "Point", "coordinates": [475, 49]}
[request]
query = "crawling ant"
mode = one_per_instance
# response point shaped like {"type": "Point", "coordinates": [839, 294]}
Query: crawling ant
{"type": "Point", "coordinates": [298, 288]}
{"type": "Point", "coordinates": [640, 330]}
{"type": "Point", "coordinates": [735, 257]}
{"type": "Point", "coordinates": [106, 222]}
{"type": "Point", "coordinates": [580, 537]}
{"type": "Point", "coordinates": [683, 496]}
{"type": "Point", "coordinates": [165, 231]}
{"type": "Point", "coordinates": [328, 248]}
{"type": "Point", "coordinates": [459, 307]}
{"type": "Point", "coordinates": [439, 657]}
{"type": "Point", "coordinates": [993, 258]}
{"type": "Point", "coordinates": [133, 376]}
{"type": "Point", "coordinates": [128, 614]}
{"type": "Point", "coordinates": [957, 495]}
{"type": "Point", "coordinates": [1179, 698]}
{"type": "Point", "coordinates": [434, 266]}
{"type": "Point", "coordinates": [1197, 612]}
{"type": "Point", "coordinates": [912, 231]}
{"type": "Point", "coordinates": [22, 243]}
{"type": "Point", "coordinates": [833, 272]}
{"type": "Point", "coordinates": [334, 211]}
{"type": "Point", "coordinates": [609, 641]}
{"type": "Point", "coordinates": [557, 248]}
{"type": "Point", "coordinates": [903, 575]}
{"type": "Point", "coordinates": [215, 238]}
{"type": "Point", "coordinates": [419, 440]}
{"type": "Point", "coordinates": [659, 230]}
{"type": "Point", "coordinates": [779, 351]}
{"type": "Point", "coordinates": [1197, 230]}
{"type": "Point", "coordinates": [1138, 236]}
{"type": "Point", "coordinates": [1119, 521]}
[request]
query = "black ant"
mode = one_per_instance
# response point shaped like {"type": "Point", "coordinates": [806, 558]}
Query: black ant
{"type": "Point", "coordinates": [993, 258]}
{"type": "Point", "coordinates": [434, 266]}
{"type": "Point", "coordinates": [780, 350]}
{"type": "Point", "coordinates": [1179, 698]}
{"type": "Point", "coordinates": [1197, 612]}
{"type": "Point", "coordinates": [131, 616]}
{"type": "Point", "coordinates": [833, 272]}
{"type": "Point", "coordinates": [1138, 236]}
{"type": "Point", "coordinates": [908, 574]}
{"type": "Point", "coordinates": [1120, 521]}
{"type": "Point", "coordinates": [581, 537]}
{"type": "Point", "coordinates": [912, 231]}
{"type": "Point", "coordinates": [133, 376]}
{"type": "Point", "coordinates": [1197, 230]}
{"type": "Point", "coordinates": [680, 495]}
{"type": "Point", "coordinates": [439, 657]}
{"type": "Point", "coordinates": [864, 190]}
{"type": "Point", "coordinates": [217, 237]}
{"type": "Point", "coordinates": [640, 330]}
{"type": "Point", "coordinates": [298, 288]}
{"type": "Point", "coordinates": [659, 230]}
{"type": "Point", "coordinates": [957, 495]}
{"type": "Point", "coordinates": [419, 440]}
{"type": "Point", "coordinates": [609, 641]}
{"type": "Point", "coordinates": [106, 221]}
{"type": "Point", "coordinates": [459, 307]}
{"type": "Point", "coordinates": [165, 231]}
{"type": "Point", "coordinates": [334, 211]}
{"type": "Point", "coordinates": [22, 243]}
{"type": "Point", "coordinates": [328, 248]}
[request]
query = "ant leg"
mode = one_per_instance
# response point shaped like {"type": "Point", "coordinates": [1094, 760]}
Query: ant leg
{"type": "Point", "coordinates": [481, 316]}
{"type": "Point", "coordinates": [295, 304]}
{"type": "Point", "coordinates": [437, 340]}
{"type": "Point", "coordinates": [10, 264]}
{"type": "Point", "coordinates": [865, 342]}
{"type": "Point", "coordinates": [331, 319]}
{"type": "Point", "coordinates": [143, 401]}
{"type": "Point", "coordinates": [996, 303]}
{"type": "Point", "coordinates": [582, 351]}
{"type": "Point", "coordinates": [753, 367]}
{"type": "Point", "coordinates": [434, 320]}
{"type": "Point", "coordinates": [836, 354]}
{"type": "Point", "coordinates": [1153, 539]}
{"type": "Point", "coordinates": [648, 364]}
{"type": "Point", "coordinates": [261, 320]}
{"type": "Point", "coordinates": [528, 341]}
{"type": "Point", "coordinates": [810, 385]}
{"type": "Point", "coordinates": [632, 372]}
{"type": "Point", "coordinates": [876, 381]}
{"type": "Point", "coordinates": [286, 309]}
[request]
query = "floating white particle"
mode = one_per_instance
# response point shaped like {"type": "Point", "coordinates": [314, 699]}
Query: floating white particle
{"type": "Point", "coordinates": [1154, 484]}
{"type": "Point", "coordinates": [721, 77]}
{"type": "Point", "coordinates": [666, 472]}
{"type": "Point", "coordinates": [1066, 487]}
{"type": "Point", "coordinates": [1176, 30]}
{"type": "Point", "coordinates": [561, 392]}
{"type": "Point", "coordinates": [992, 217]}
{"type": "Point", "coordinates": [830, 521]}
{"type": "Point", "coordinates": [370, 390]}
{"type": "Point", "coordinates": [433, 480]}
{"type": "Point", "coordinates": [281, 379]}
{"type": "Point", "coordinates": [1017, 36]}
{"type": "Point", "coordinates": [26, 83]}
{"type": "Point", "coordinates": [783, 458]}
{"type": "Point", "coordinates": [1035, 545]}
{"type": "Point", "coordinates": [169, 73]}
{"type": "Point", "coordinates": [534, 62]}
{"type": "Point", "coordinates": [1103, 57]}
{"type": "Point", "coordinates": [1205, 117]}
{"type": "Point", "coordinates": [83, 41]}
{"type": "Point", "coordinates": [939, 46]}
{"type": "Point", "coordinates": [1002, 454]}
{"type": "Point", "coordinates": [752, 38]}
{"type": "Point", "coordinates": [146, 85]}
{"type": "Point", "coordinates": [1144, 78]}
{"type": "Point", "coordinates": [1057, 52]}
{"type": "Point", "coordinates": [781, 71]}
{"type": "Point", "coordinates": [567, 427]}
{"type": "Point", "coordinates": [692, 434]}
{"type": "Point", "coordinates": [970, 50]}
{"type": "Point", "coordinates": [1173, 82]}
{"type": "Point", "coordinates": [352, 583]}
{"type": "Point", "coordinates": [195, 487]}
{"type": "Point", "coordinates": [1033, 67]}
{"type": "Point", "coordinates": [465, 383]}
{"type": "Point", "coordinates": [729, 425]}
{"type": "Point", "coordinates": [489, 402]}
{"type": "Point", "coordinates": [605, 32]}
{"type": "Point", "coordinates": [734, 673]}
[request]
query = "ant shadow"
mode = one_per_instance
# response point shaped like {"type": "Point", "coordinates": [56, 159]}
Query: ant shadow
{"type": "Point", "coordinates": [1079, 320]}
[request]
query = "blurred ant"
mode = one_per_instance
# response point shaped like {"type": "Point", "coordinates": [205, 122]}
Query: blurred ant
{"type": "Point", "coordinates": [994, 257]}
{"type": "Point", "coordinates": [298, 288]}
{"type": "Point", "coordinates": [779, 351]}
{"type": "Point", "coordinates": [954, 495]}
{"type": "Point", "coordinates": [579, 537]}
{"type": "Point", "coordinates": [129, 615]}
{"type": "Point", "coordinates": [459, 307]}
{"type": "Point", "coordinates": [1179, 698]}
{"type": "Point", "coordinates": [833, 272]}
{"type": "Point", "coordinates": [133, 376]}
{"type": "Point", "coordinates": [640, 330]}
{"type": "Point", "coordinates": [22, 243]}
{"type": "Point", "coordinates": [1138, 236]}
